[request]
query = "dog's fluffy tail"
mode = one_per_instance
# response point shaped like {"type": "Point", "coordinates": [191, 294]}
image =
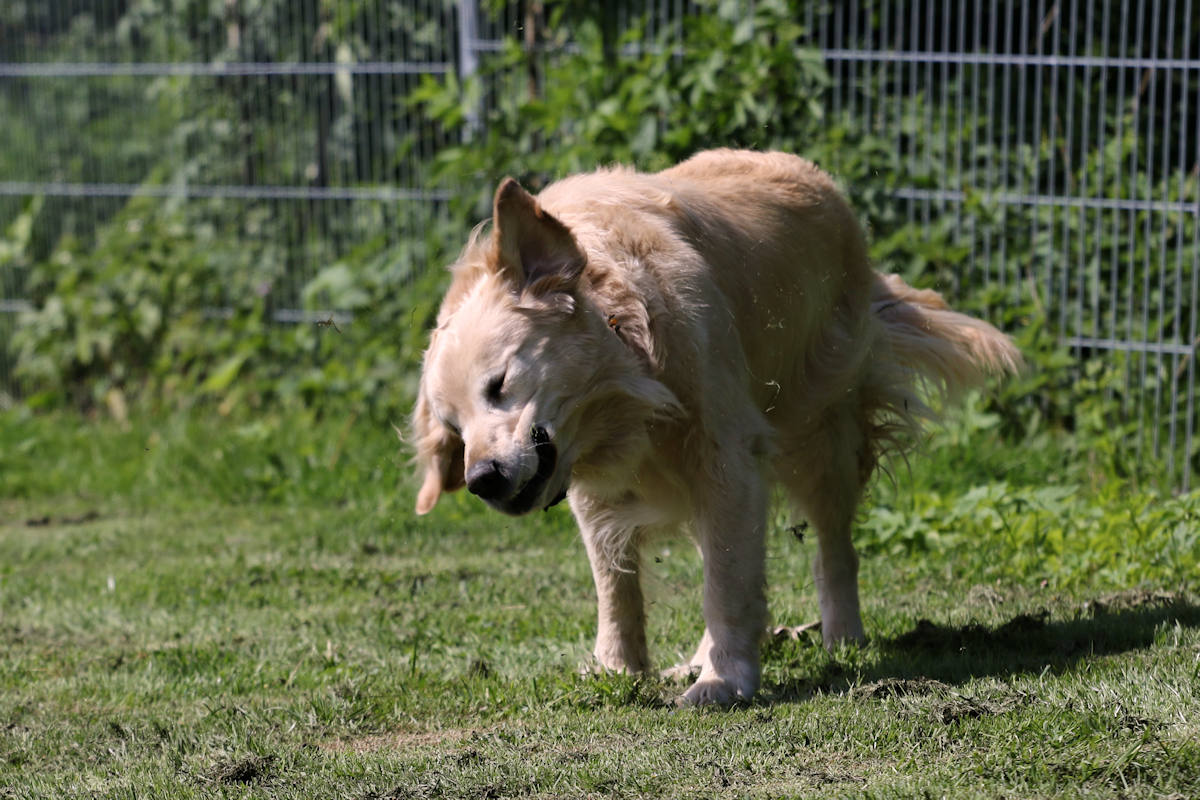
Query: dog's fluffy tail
{"type": "Point", "coordinates": [951, 350]}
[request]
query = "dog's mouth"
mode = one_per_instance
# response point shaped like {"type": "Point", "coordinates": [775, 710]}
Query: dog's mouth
{"type": "Point", "coordinates": [547, 455]}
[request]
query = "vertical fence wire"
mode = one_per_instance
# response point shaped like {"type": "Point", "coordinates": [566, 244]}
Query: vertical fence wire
{"type": "Point", "coordinates": [1144, 287]}
{"type": "Point", "coordinates": [1055, 22]}
{"type": "Point", "coordinates": [1064, 303]}
{"type": "Point", "coordinates": [1164, 147]}
{"type": "Point", "coordinates": [1028, 280]}
{"type": "Point", "coordinates": [1193, 339]}
{"type": "Point", "coordinates": [1179, 278]}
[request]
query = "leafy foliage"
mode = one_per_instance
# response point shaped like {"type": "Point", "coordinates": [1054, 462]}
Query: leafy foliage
{"type": "Point", "coordinates": [738, 80]}
{"type": "Point", "coordinates": [177, 301]}
{"type": "Point", "coordinates": [170, 311]}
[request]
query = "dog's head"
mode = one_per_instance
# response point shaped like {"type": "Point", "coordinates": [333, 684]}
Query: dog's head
{"type": "Point", "coordinates": [508, 356]}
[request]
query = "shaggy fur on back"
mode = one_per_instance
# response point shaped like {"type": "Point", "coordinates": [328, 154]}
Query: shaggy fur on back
{"type": "Point", "coordinates": [663, 348]}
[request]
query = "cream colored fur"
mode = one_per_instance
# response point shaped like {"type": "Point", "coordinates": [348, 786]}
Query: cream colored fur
{"type": "Point", "coordinates": [685, 340]}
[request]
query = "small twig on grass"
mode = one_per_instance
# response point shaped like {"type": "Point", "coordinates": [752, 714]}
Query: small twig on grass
{"type": "Point", "coordinates": [793, 632]}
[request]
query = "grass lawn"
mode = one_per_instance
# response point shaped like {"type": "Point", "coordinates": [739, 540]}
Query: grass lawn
{"type": "Point", "coordinates": [206, 608]}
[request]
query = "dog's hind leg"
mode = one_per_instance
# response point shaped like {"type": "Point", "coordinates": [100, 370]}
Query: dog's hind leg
{"type": "Point", "coordinates": [621, 617]}
{"type": "Point", "coordinates": [824, 476]}
{"type": "Point", "coordinates": [730, 531]}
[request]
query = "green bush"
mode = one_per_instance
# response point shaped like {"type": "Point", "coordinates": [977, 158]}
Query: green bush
{"type": "Point", "coordinates": [169, 310]}
{"type": "Point", "coordinates": [741, 80]}
{"type": "Point", "coordinates": [107, 315]}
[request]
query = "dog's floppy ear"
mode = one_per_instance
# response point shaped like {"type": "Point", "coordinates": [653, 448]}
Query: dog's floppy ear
{"type": "Point", "coordinates": [532, 249]}
{"type": "Point", "coordinates": [439, 453]}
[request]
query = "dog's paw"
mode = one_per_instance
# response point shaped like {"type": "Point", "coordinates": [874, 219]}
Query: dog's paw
{"type": "Point", "coordinates": [839, 627]}
{"type": "Point", "coordinates": [616, 654]}
{"type": "Point", "coordinates": [851, 635]}
{"type": "Point", "coordinates": [681, 673]}
{"type": "Point", "coordinates": [595, 666]}
{"type": "Point", "coordinates": [716, 692]}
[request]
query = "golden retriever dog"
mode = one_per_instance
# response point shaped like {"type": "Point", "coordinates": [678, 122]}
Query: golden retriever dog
{"type": "Point", "coordinates": [661, 349]}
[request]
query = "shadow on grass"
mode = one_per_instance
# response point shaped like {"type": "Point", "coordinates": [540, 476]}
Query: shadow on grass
{"type": "Point", "coordinates": [1027, 643]}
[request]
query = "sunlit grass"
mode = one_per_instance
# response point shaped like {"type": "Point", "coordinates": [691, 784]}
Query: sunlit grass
{"type": "Point", "coordinates": [199, 606]}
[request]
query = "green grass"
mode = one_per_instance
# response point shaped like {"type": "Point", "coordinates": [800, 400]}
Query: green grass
{"type": "Point", "coordinates": [197, 607]}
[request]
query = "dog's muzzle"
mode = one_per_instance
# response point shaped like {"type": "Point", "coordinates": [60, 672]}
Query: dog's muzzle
{"type": "Point", "coordinates": [491, 482]}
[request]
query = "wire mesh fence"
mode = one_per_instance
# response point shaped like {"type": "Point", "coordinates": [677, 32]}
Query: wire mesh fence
{"type": "Point", "coordinates": [1069, 130]}
{"type": "Point", "coordinates": [1074, 127]}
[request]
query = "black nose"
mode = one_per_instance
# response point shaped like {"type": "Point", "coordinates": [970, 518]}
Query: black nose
{"type": "Point", "coordinates": [485, 480]}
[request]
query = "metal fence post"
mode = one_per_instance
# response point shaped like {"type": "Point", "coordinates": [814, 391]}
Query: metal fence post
{"type": "Point", "coordinates": [468, 59]}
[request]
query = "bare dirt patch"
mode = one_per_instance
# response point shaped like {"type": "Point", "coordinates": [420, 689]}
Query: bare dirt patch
{"type": "Point", "coordinates": [1132, 599]}
{"type": "Point", "coordinates": [898, 687]}
{"type": "Point", "coordinates": [928, 697]}
{"type": "Point", "coordinates": [78, 519]}
{"type": "Point", "coordinates": [250, 769]}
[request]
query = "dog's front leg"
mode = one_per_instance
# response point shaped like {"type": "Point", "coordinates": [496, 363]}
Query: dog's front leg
{"type": "Point", "coordinates": [730, 530]}
{"type": "Point", "coordinates": [621, 617]}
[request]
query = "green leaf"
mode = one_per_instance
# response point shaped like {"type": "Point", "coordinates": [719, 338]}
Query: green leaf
{"type": "Point", "coordinates": [220, 379]}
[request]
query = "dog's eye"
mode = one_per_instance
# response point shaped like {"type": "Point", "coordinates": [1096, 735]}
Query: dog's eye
{"type": "Point", "coordinates": [450, 426]}
{"type": "Point", "coordinates": [494, 389]}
